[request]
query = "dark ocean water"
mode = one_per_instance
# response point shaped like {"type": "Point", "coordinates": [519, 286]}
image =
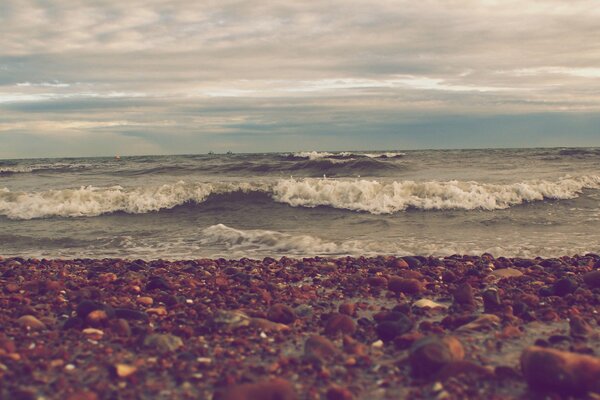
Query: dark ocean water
{"type": "Point", "coordinates": [524, 202]}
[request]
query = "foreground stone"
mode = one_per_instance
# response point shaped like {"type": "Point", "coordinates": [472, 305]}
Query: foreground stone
{"type": "Point", "coordinates": [550, 370]}
{"type": "Point", "coordinates": [274, 389]}
{"type": "Point", "coordinates": [432, 353]}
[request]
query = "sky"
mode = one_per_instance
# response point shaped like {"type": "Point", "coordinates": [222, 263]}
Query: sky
{"type": "Point", "coordinates": [105, 77]}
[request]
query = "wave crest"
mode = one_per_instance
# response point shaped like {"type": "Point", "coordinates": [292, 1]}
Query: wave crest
{"type": "Point", "coordinates": [269, 241]}
{"type": "Point", "coordinates": [386, 198]}
{"type": "Point", "coordinates": [356, 195]}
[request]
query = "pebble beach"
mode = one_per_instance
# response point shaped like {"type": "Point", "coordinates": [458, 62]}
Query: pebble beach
{"type": "Point", "coordinates": [450, 327]}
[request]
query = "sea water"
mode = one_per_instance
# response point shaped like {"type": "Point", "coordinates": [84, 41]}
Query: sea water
{"type": "Point", "coordinates": [508, 202]}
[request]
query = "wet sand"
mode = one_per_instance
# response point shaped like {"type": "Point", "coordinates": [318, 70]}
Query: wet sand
{"type": "Point", "coordinates": [349, 328]}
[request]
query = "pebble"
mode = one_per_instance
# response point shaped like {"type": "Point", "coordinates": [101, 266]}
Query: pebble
{"type": "Point", "coordinates": [568, 374]}
{"type": "Point", "coordinates": [377, 281]}
{"type": "Point", "coordinates": [507, 273]}
{"type": "Point", "coordinates": [320, 348]}
{"type": "Point", "coordinates": [281, 313]}
{"type": "Point", "coordinates": [579, 327]}
{"type": "Point", "coordinates": [387, 330]}
{"type": "Point", "coordinates": [121, 327]}
{"type": "Point", "coordinates": [31, 322]}
{"type": "Point", "coordinates": [163, 342]}
{"type": "Point", "coordinates": [97, 318]}
{"type": "Point", "coordinates": [354, 347]}
{"type": "Point", "coordinates": [231, 319]}
{"type": "Point", "coordinates": [483, 322]}
{"type": "Point", "coordinates": [145, 300]}
{"type": "Point", "coordinates": [268, 326]}
{"type": "Point", "coordinates": [406, 286]}
{"type": "Point", "coordinates": [87, 306]}
{"type": "Point", "coordinates": [93, 333]}
{"type": "Point", "coordinates": [430, 354]}
{"type": "Point", "coordinates": [274, 389]}
{"type": "Point", "coordinates": [348, 309]}
{"type": "Point", "coordinates": [592, 279]}
{"type": "Point", "coordinates": [413, 262]}
{"type": "Point", "coordinates": [338, 393]}
{"type": "Point", "coordinates": [463, 295]}
{"type": "Point", "coordinates": [564, 286]}
{"type": "Point", "coordinates": [129, 314]}
{"type": "Point", "coordinates": [426, 303]}
{"type": "Point", "coordinates": [398, 263]}
{"type": "Point", "coordinates": [160, 311]}
{"type": "Point", "coordinates": [340, 323]}
{"type": "Point", "coordinates": [491, 300]}
{"type": "Point", "coordinates": [124, 370]}
{"type": "Point", "coordinates": [157, 282]}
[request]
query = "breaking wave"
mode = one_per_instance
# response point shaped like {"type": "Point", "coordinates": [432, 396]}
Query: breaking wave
{"type": "Point", "coordinates": [258, 241]}
{"type": "Point", "coordinates": [357, 195]}
{"type": "Point", "coordinates": [55, 167]}
{"type": "Point", "coordinates": [344, 155]}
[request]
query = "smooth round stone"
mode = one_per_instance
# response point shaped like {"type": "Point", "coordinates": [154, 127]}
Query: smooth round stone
{"type": "Point", "coordinates": [31, 322]}
{"type": "Point", "coordinates": [274, 389]}
{"type": "Point", "coordinates": [340, 323]}
{"type": "Point", "coordinates": [282, 314]}
{"type": "Point", "coordinates": [430, 354]}
{"type": "Point", "coordinates": [566, 373]}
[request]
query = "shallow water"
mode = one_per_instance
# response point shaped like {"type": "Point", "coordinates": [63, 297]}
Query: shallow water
{"type": "Point", "coordinates": [524, 202]}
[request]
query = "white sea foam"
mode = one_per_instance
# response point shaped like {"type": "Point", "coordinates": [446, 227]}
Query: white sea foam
{"type": "Point", "coordinates": [257, 241]}
{"type": "Point", "coordinates": [358, 195]}
{"type": "Point", "coordinates": [318, 155]}
{"type": "Point", "coordinates": [15, 170]}
{"type": "Point", "coordinates": [383, 155]}
{"type": "Point", "coordinates": [20, 169]}
{"type": "Point", "coordinates": [91, 201]}
{"type": "Point", "coordinates": [385, 198]}
{"type": "Point", "coordinates": [313, 155]}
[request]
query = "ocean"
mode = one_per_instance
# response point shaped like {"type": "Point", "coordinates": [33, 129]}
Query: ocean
{"type": "Point", "coordinates": [507, 202]}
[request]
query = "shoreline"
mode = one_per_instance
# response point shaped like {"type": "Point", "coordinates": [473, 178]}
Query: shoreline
{"type": "Point", "coordinates": [312, 328]}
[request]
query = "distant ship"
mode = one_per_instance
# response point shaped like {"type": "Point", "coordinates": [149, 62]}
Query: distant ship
{"type": "Point", "coordinates": [211, 152]}
{"type": "Point", "coordinates": [229, 152]}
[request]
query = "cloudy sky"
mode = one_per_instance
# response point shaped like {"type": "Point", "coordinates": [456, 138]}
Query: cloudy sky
{"type": "Point", "coordinates": [104, 77]}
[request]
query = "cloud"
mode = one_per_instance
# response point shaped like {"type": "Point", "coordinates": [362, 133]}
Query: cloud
{"type": "Point", "coordinates": [291, 67]}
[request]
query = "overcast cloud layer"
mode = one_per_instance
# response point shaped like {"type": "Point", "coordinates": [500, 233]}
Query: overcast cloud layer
{"type": "Point", "coordinates": [81, 78]}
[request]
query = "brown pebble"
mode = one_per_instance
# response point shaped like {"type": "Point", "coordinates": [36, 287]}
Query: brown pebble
{"type": "Point", "coordinates": [268, 326]}
{"type": "Point", "coordinates": [145, 300]}
{"type": "Point", "coordinates": [11, 287]}
{"type": "Point", "coordinates": [340, 323]}
{"type": "Point", "coordinates": [338, 393]}
{"type": "Point", "coordinates": [124, 370]}
{"type": "Point", "coordinates": [274, 389]}
{"type": "Point", "coordinates": [121, 327]}
{"type": "Point", "coordinates": [579, 327]}
{"type": "Point", "coordinates": [281, 313]}
{"type": "Point", "coordinates": [399, 263]}
{"type": "Point", "coordinates": [377, 281]}
{"type": "Point", "coordinates": [319, 347]}
{"type": "Point", "coordinates": [430, 354]}
{"type": "Point", "coordinates": [551, 370]}
{"type": "Point", "coordinates": [97, 318]}
{"type": "Point", "coordinates": [31, 322]}
{"type": "Point", "coordinates": [507, 273]}
{"type": "Point", "coordinates": [354, 347]}
{"type": "Point", "coordinates": [592, 279]}
{"type": "Point", "coordinates": [463, 295]}
{"type": "Point", "coordinates": [407, 286]}
{"type": "Point", "coordinates": [348, 309]}
{"type": "Point", "coordinates": [82, 395]}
